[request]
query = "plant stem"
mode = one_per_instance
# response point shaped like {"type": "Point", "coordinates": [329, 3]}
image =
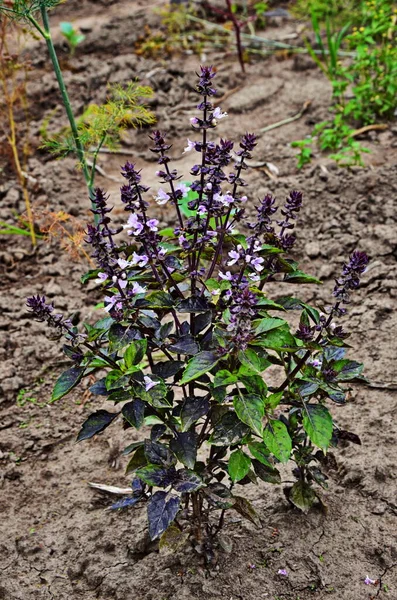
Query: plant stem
{"type": "Point", "coordinates": [46, 33]}
{"type": "Point", "coordinates": [307, 355]}
{"type": "Point", "coordinates": [237, 31]}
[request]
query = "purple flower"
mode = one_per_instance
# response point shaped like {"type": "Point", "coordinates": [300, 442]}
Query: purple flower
{"type": "Point", "coordinates": [350, 278]}
{"type": "Point", "coordinates": [149, 383]}
{"type": "Point", "coordinates": [183, 188]}
{"type": "Point", "coordinates": [218, 114]}
{"type": "Point", "coordinates": [282, 572]}
{"type": "Point", "coordinates": [202, 210]}
{"type": "Point", "coordinates": [194, 121]}
{"type": "Point", "coordinates": [162, 197]}
{"type": "Point", "coordinates": [101, 277]}
{"type": "Point", "coordinates": [112, 302]}
{"type": "Point", "coordinates": [257, 263]}
{"type": "Point", "coordinates": [135, 224]}
{"type": "Point", "coordinates": [305, 332]}
{"type": "Point", "coordinates": [369, 581]}
{"type": "Point", "coordinates": [123, 264]}
{"type": "Point", "coordinates": [235, 256]}
{"type": "Point", "coordinates": [138, 289]}
{"type": "Point", "coordinates": [190, 145]}
{"type": "Point", "coordinates": [139, 259]}
{"type": "Point", "coordinates": [152, 224]}
{"type": "Point", "coordinates": [227, 276]}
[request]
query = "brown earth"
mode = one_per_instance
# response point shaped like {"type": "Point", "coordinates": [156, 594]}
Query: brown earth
{"type": "Point", "coordinates": [56, 540]}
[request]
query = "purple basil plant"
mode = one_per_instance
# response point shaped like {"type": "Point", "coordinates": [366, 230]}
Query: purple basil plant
{"type": "Point", "coordinates": [190, 332]}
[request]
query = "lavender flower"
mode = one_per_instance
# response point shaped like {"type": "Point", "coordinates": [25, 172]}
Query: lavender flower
{"type": "Point", "coordinates": [149, 383]}
{"type": "Point", "coordinates": [350, 278]}
{"type": "Point", "coordinates": [44, 312]}
{"type": "Point", "coordinates": [282, 572]}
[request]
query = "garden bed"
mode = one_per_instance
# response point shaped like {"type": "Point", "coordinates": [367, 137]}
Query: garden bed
{"type": "Point", "coordinates": [56, 539]}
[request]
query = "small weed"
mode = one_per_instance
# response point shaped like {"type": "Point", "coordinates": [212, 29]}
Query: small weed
{"type": "Point", "coordinates": [72, 36]}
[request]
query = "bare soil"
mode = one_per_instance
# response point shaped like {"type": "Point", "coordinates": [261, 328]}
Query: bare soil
{"type": "Point", "coordinates": [56, 540]}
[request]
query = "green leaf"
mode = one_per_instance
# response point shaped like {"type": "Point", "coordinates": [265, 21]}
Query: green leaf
{"type": "Point", "coordinates": [137, 461]}
{"type": "Point", "coordinates": [95, 423]}
{"type": "Point", "coordinates": [202, 363]}
{"type": "Point", "coordinates": [135, 353]}
{"type": "Point", "coordinates": [224, 377]}
{"type": "Point", "coordinates": [302, 496]}
{"type": "Point", "coordinates": [277, 440]}
{"type": "Point", "coordinates": [318, 424]}
{"type": "Point", "coordinates": [279, 339]}
{"type": "Point", "coordinates": [250, 410]}
{"type": "Point", "coordinates": [254, 384]}
{"type": "Point", "coordinates": [155, 300]}
{"type": "Point", "coordinates": [273, 400]}
{"type": "Point", "coordinates": [66, 382]}
{"type": "Point", "coordinates": [89, 275]}
{"type": "Point", "coordinates": [260, 452]}
{"type": "Point", "coordinates": [156, 395]}
{"type": "Point", "coordinates": [66, 28]}
{"type": "Point", "coordinates": [252, 361]}
{"type": "Point", "coordinates": [263, 325]}
{"type": "Point", "coordinates": [347, 369]}
{"type": "Point", "coordinates": [300, 277]}
{"type": "Point", "coordinates": [239, 465]}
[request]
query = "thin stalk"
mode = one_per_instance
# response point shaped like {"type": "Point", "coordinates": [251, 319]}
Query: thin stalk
{"type": "Point", "coordinates": [22, 179]}
{"type": "Point", "coordinates": [46, 33]}
{"type": "Point", "coordinates": [307, 354]}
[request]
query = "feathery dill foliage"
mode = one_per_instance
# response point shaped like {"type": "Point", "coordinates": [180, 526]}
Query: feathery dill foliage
{"type": "Point", "coordinates": [190, 333]}
{"type": "Point", "coordinates": [24, 8]}
{"type": "Point", "coordinates": [102, 125]}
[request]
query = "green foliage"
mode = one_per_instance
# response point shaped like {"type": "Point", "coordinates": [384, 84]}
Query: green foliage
{"type": "Point", "coordinates": [340, 11]}
{"type": "Point", "coordinates": [364, 88]}
{"type": "Point", "coordinates": [72, 35]}
{"type": "Point", "coordinates": [22, 9]}
{"type": "Point", "coordinates": [103, 124]}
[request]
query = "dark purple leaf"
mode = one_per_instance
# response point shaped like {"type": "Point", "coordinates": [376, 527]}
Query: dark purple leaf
{"type": "Point", "coordinates": [342, 434]}
{"type": "Point", "coordinates": [99, 388]}
{"type": "Point", "coordinates": [157, 432]}
{"type": "Point", "coordinates": [268, 474]}
{"type": "Point", "coordinates": [158, 454]}
{"type": "Point", "coordinates": [96, 423]}
{"type": "Point", "coordinates": [228, 431]}
{"type": "Point", "coordinates": [168, 368]}
{"type": "Point", "coordinates": [195, 304]}
{"type": "Point", "coordinates": [193, 408]}
{"type": "Point", "coordinates": [202, 321]}
{"type": "Point", "coordinates": [134, 412]}
{"type": "Point", "coordinates": [185, 449]}
{"type": "Point", "coordinates": [120, 336]}
{"type": "Point", "coordinates": [185, 345]}
{"type": "Point", "coordinates": [66, 382]}
{"type": "Point", "coordinates": [154, 475]}
{"type": "Point", "coordinates": [126, 502]}
{"type": "Point", "coordinates": [161, 513]}
{"type": "Point", "coordinates": [187, 481]}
